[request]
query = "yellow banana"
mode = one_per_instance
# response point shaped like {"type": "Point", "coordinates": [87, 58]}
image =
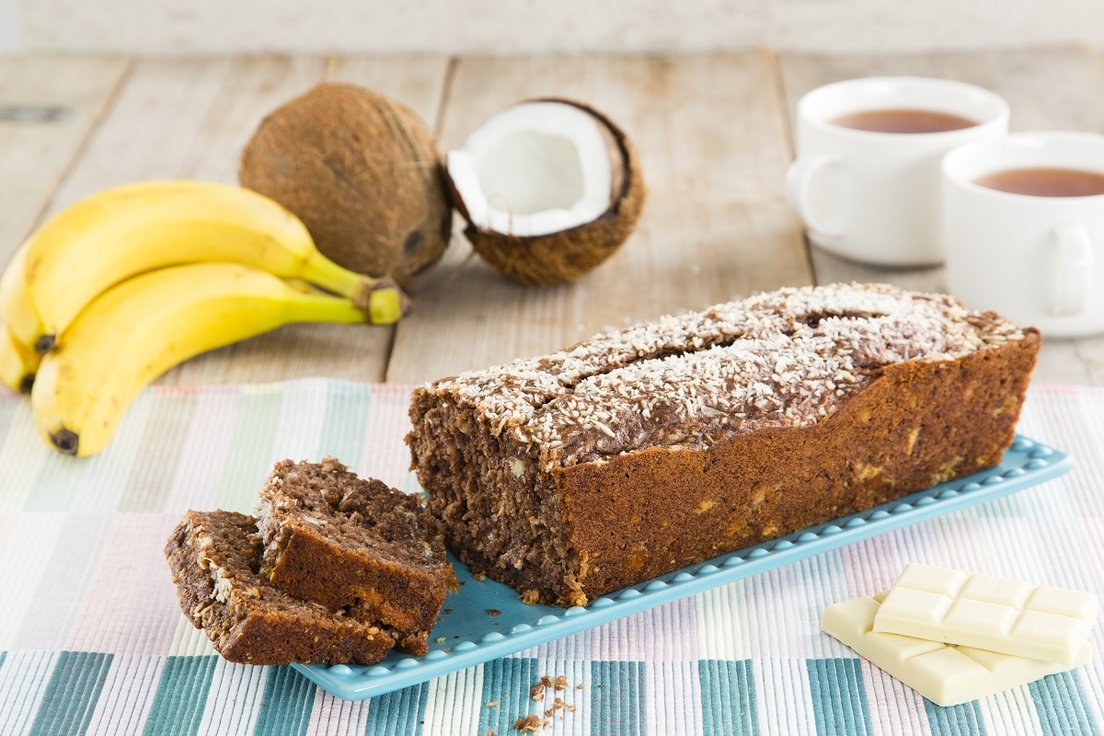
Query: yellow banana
{"type": "Point", "coordinates": [127, 230]}
{"type": "Point", "coordinates": [142, 327]}
{"type": "Point", "coordinates": [16, 307]}
{"type": "Point", "coordinates": [18, 363]}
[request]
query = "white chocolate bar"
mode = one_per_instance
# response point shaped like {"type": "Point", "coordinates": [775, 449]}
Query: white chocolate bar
{"type": "Point", "coordinates": [942, 673]}
{"type": "Point", "coordinates": [986, 612]}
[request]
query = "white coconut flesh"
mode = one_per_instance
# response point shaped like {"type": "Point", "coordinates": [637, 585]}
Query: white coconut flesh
{"type": "Point", "coordinates": [536, 168]}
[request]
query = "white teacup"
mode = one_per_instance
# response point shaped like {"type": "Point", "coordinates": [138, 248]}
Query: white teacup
{"type": "Point", "coordinates": [873, 196]}
{"type": "Point", "coordinates": [1036, 258]}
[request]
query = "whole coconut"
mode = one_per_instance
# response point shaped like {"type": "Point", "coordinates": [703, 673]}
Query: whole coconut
{"type": "Point", "coordinates": [362, 173]}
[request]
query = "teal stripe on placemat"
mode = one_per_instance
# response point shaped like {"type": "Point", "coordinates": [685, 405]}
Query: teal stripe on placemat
{"type": "Point", "coordinates": [617, 699]}
{"type": "Point", "coordinates": [508, 684]}
{"type": "Point", "coordinates": [398, 713]}
{"type": "Point", "coordinates": [346, 421]}
{"type": "Point", "coordinates": [955, 720]}
{"type": "Point", "coordinates": [728, 698]}
{"type": "Point", "coordinates": [181, 696]}
{"type": "Point", "coordinates": [1061, 704]}
{"type": "Point", "coordinates": [839, 696]}
{"type": "Point", "coordinates": [71, 694]}
{"type": "Point", "coordinates": [249, 460]}
{"type": "Point", "coordinates": [286, 704]}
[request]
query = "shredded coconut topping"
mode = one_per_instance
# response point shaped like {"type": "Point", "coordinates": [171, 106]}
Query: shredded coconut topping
{"type": "Point", "coordinates": [785, 358]}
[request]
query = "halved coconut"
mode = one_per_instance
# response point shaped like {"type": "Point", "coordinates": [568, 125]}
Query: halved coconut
{"type": "Point", "coordinates": [550, 188]}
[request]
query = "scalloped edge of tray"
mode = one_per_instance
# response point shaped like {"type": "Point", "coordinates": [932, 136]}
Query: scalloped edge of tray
{"type": "Point", "coordinates": [485, 620]}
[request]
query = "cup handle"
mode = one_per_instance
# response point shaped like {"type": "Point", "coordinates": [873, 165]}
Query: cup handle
{"type": "Point", "coordinates": [1072, 279]}
{"type": "Point", "coordinates": [799, 184]}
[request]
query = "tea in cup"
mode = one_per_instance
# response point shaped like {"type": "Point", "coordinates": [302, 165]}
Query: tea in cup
{"type": "Point", "coordinates": [1023, 228]}
{"type": "Point", "coordinates": [866, 178]}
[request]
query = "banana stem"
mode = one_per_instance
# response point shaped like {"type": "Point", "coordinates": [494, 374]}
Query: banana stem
{"type": "Point", "coordinates": [325, 308]}
{"type": "Point", "coordinates": [380, 299]}
{"type": "Point", "coordinates": [383, 301]}
{"type": "Point", "coordinates": [321, 271]}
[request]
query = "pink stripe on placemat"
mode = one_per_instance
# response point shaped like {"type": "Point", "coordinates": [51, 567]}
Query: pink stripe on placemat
{"type": "Point", "coordinates": [131, 604]}
{"type": "Point", "coordinates": [385, 455]}
{"type": "Point", "coordinates": [895, 709]}
{"type": "Point", "coordinates": [55, 599]}
{"type": "Point", "coordinates": [872, 566]}
{"type": "Point", "coordinates": [206, 446]}
{"type": "Point", "coordinates": [633, 638]}
{"type": "Point", "coordinates": [332, 716]}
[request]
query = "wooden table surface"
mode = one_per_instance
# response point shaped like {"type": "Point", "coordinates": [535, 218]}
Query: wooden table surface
{"type": "Point", "coordinates": [714, 133]}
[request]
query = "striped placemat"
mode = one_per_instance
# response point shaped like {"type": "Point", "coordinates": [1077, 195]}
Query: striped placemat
{"type": "Point", "coordinates": [92, 639]}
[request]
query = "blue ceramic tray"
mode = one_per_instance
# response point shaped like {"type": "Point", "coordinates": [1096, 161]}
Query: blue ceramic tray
{"type": "Point", "coordinates": [485, 620]}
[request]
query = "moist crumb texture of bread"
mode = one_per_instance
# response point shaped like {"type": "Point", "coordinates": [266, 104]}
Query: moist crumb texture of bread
{"type": "Point", "coordinates": [642, 451]}
{"type": "Point", "coordinates": [355, 545]}
{"type": "Point", "coordinates": [214, 558]}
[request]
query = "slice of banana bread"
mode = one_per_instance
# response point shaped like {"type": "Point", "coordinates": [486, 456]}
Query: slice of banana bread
{"type": "Point", "coordinates": [214, 557]}
{"type": "Point", "coordinates": [639, 452]}
{"type": "Point", "coordinates": [357, 545]}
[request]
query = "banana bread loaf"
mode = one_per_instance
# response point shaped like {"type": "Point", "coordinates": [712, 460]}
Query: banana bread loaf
{"type": "Point", "coordinates": [214, 557]}
{"type": "Point", "coordinates": [355, 544]}
{"type": "Point", "coordinates": [636, 453]}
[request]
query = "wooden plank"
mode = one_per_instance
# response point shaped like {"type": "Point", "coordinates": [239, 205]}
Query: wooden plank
{"type": "Point", "coordinates": [416, 81]}
{"type": "Point", "coordinates": [190, 118]}
{"type": "Point", "coordinates": [1091, 351]}
{"type": "Point", "coordinates": [1047, 89]}
{"type": "Point", "coordinates": [1068, 362]}
{"type": "Point", "coordinates": [48, 106]}
{"type": "Point", "coordinates": [185, 118]}
{"type": "Point", "coordinates": [713, 150]}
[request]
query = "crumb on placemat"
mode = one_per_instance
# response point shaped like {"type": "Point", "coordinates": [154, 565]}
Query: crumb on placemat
{"type": "Point", "coordinates": [529, 723]}
{"type": "Point", "coordinates": [533, 722]}
{"type": "Point", "coordinates": [544, 683]}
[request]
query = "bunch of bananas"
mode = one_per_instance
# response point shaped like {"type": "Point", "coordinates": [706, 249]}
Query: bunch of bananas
{"type": "Point", "coordinates": [118, 288]}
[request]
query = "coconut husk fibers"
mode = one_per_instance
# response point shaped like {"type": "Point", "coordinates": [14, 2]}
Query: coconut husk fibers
{"type": "Point", "coordinates": [362, 173]}
{"type": "Point", "coordinates": [563, 257]}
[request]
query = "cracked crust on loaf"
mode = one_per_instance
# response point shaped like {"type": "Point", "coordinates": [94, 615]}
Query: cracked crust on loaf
{"type": "Point", "coordinates": [642, 451]}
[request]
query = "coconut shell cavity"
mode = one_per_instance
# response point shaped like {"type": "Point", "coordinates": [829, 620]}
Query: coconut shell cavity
{"type": "Point", "coordinates": [362, 173]}
{"type": "Point", "coordinates": [550, 188]}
